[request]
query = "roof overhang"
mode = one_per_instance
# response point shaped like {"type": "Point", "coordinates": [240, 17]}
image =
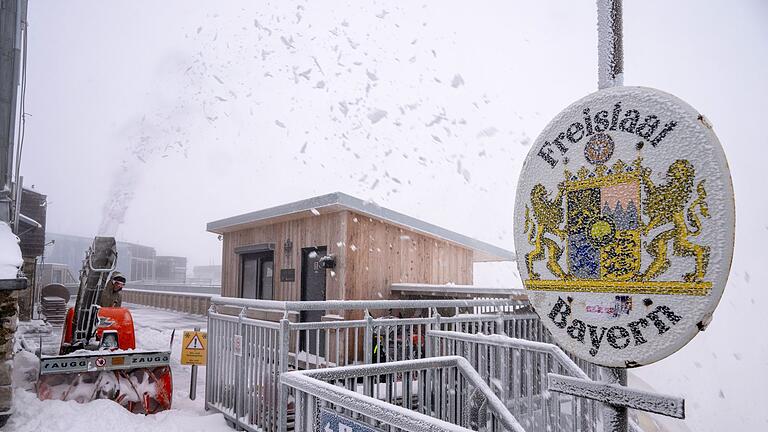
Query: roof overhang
{"type": "Point", "coordinates": [336, 202]}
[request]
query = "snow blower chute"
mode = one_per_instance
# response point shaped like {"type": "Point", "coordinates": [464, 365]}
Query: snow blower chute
{"type": "Point", "coordinates": [97, 358]}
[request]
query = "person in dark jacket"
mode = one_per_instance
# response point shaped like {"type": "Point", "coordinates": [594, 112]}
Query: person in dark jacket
{"type": "Point", "coordinates": [112, 295]}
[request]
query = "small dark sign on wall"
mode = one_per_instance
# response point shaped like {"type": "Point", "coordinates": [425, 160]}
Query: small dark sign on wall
{"type": "Point", "coordinates": [287, 275]}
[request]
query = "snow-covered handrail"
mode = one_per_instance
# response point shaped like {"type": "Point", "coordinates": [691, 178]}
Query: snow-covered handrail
{"type": "Point", "coordinates": [478, 291]}
{"type": "Point", "coordinates": [505, 341]}
{"type": "Point", "coordinates": [297, 306]}
{"type": "Point", "coordinates": [396, 416]}
{"type": "Point", "coordinates": [170, 293]}
{"type": "Point", "coordinates": [310, 381]}
{"type": "Point", "coordinates": [500, 340]}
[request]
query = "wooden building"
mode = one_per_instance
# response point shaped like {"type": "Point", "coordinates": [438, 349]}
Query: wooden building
{"type": "Point", "coordinates": [338, 247]}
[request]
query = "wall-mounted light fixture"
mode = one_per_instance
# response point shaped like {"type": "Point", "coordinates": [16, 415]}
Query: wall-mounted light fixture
{"type": "Point", "coordinates": [327, 262]}
{"type": "Point", "coordinates": [287, 247]}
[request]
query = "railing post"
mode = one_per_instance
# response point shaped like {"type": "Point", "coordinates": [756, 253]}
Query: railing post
{"type": "Point", "coordinates": [438, 318]}
{"type": "Point", "coordinates": [300, 413]}
{"type": "Point", "coordinates": [210, 365]}
{"type": "Point", "coordinates": [433, 326]}
{"type": "Point", "coordinates": [368, 350]}
{"type": "Point", "coordinates": [368, 339]}
{"type": "Point", "coordinates": [239, 373]}
{"type": "Point", "coordinates": [282, 391]}
{"type": "Point", "coordinates": [456, 313]}
{"type": "Point", "coordinates": [500, 323]}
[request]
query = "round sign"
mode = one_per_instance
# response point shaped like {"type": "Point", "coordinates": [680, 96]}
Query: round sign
{"type": "Point", "coordinates": [101, 362]}
{"type": "Point", "coordinates": [624, 226]}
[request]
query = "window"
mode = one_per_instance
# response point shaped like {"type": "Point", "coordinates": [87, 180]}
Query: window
{"type": "Point", "coordinates": [257, 275]}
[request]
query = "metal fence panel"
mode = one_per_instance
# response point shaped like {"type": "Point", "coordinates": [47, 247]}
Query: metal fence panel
{"type": "Point", "coordinates": [523, 386]}
{"type": "Point", "coordinates": [243, 383]}
{"type": "Point", "coordinates": [428, 394]}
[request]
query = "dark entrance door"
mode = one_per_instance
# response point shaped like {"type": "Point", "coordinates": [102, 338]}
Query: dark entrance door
{"type": "Point", "coordinates": [312, 289]}
{"type": "Point", "coordinates": [256, 277]}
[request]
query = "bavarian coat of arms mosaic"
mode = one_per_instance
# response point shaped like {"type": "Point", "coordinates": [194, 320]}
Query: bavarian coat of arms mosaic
{"type": "Point", "coordinates": [624, 222]}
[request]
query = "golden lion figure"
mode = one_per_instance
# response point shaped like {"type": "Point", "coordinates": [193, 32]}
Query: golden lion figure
{"type": "Point", "coordinates": [549, 217]}
{"type": "Point", "coordinates": [665, 204]}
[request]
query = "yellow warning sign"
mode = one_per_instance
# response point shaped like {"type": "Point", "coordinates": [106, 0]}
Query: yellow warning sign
{"type": "Point", "coordinates": [194, 348]}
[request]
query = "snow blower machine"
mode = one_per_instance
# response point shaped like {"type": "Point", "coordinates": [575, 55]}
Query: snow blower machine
{"type": "Point", "coordinates": [98, 358]}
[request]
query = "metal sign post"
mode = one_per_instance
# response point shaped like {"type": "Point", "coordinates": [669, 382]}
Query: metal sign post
{"type": "Point", "coordinates": [614, 416]}
{"type": "Point", "coordinates": [193, 379]}
{"type": "Point", "coordinates": [610, 45]}
{"type": "Point", "coordinates": [194, 351]}
{"type": "Point", "coordinates": [610, 73]}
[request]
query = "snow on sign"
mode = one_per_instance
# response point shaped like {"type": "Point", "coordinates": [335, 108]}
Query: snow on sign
{"type": "Point", "coordinates": [194, 347]}
{"type": "Point", "coordinates": [331, 421]}
{"type": "Point", "coordinates": [624, 225]}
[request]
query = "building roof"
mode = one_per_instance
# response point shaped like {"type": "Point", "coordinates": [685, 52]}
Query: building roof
{"type": "Point", "coordinates": [338, 201]}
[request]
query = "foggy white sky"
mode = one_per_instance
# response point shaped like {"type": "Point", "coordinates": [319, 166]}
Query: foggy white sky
{"type": "Point", "coordinates": [209, 110]}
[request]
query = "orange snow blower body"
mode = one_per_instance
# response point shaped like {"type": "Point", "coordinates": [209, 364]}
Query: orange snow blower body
{"type": "Point", "coordinates": [110, 319]}
{"type": "Point", "coordinates": [97, 358]}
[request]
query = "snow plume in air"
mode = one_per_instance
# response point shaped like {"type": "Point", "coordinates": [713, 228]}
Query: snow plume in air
{"type": "Point", "coordinates": [181, 101]}
{"type": "Point", "coordinates": [150, 140]}
{"type": "Point", "coordinates": [118, 201]}
{"type": "Point", "coordinates": [368, 87]}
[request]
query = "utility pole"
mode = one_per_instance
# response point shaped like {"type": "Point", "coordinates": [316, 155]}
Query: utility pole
{"type": "Point", "coordinates": [13, 17]}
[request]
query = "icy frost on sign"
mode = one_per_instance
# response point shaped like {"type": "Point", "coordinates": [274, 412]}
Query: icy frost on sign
{"type": "Point", "coordinates": [335, 422]}
{"type": "Point", "coordinates": [624, 224]}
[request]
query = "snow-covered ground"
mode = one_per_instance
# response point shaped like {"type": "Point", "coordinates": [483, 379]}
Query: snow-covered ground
{"type": "Point", "coordinates": [153, 331]}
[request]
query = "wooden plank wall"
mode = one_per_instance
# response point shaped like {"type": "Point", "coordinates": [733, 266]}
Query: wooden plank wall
{"type": "Point", "coordinates": [379, 254]}
{"type": "Point", "coordinates": [324, 230]}
{"type": "Point", "coordinates": [370, 255]}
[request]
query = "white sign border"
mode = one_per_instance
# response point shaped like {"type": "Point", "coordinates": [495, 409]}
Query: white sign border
{"type": "Point", "coordinates": [719, 279]}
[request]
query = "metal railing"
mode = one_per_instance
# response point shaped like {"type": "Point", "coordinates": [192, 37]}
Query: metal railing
{"type": "Point", "coordinates": [253, 342]}
{"type": "Point", "coordinates": [516, 370]}
{"type": "Point", "coordinates": [432, 394]}
{"type": "Point", "coordinates": [178, 301]}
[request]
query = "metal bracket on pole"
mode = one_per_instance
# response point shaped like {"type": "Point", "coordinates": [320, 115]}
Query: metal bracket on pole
{"type": "Point", "coordinates": [610, 44]}
{"type": "Point", "coordinates": [617, 399]}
